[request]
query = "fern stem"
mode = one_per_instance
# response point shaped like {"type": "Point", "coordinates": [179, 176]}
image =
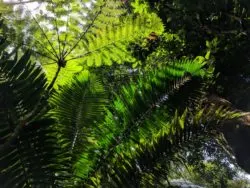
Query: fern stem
{"type": "Point", "coordinates": [86, 30]}
{"type": "Point", "coordinates": [66, 36]}
{"type": "Point", "coordinates": [54, 79]}
{"type": "Point", "coordinates": [43, 32]}
{"type": "Point", "coordinates": [44, 55]}
{"type": "Point", "coordinates": [74, 141]}
{"type": "Point", "coordinates": [57, 32]}
{"type": "Point", "coordinates": [43, 46]}
{"type": "Point", "coordinates": [93, 51]}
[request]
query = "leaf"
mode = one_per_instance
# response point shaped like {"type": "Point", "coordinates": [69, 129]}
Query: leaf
{"type": "Point", "coordinates": [182, 119]}
{"type": "Point", "coordinates": [28, 143]}
{"type": "Point", "coordinates": [207, 56]}
{"type": "Point", "coordinates": [79, 107]}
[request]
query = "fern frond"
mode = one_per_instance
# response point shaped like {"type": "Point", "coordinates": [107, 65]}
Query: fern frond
{"type": "Point", "coordinates": [110, 44]}
{"type": "Point", "coordinates": [78, 107]}
{"type": "Point", "coordinates": [140, 128]}
{"type": "Point", "coordinates": [137, 101]}
{"type": "Point", "coordinates": [27, 144]}
{"type": "Point", "coordinates": [159, 139]}
{"type": "Point", "coordinates": [72, 36]}
{"type": "Point", "coordinates": [17, 90]}
{"type": "Point", "coordinates": [30, 160]}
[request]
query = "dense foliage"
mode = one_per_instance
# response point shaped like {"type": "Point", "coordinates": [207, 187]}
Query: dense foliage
{"type": "Point", "coordinates": [115, 93]}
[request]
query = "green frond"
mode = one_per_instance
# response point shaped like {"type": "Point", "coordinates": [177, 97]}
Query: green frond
{"type": "Point", "coordinates": [110, 44]}
{"type": "Point", "coordinates": [79, 107]}
{"type": "Point", "coordinates": [73, 36]}
{"type": "Point", "coordinates": [30, 159]}
{"type": "Point", "coordinates": [23, 84]}
{"type": "Point", "coordinates": [27, 144]}
{"type": "Point", "coordinates": [131, 107]}
{"type": "Point", "coordinates": [140, 127]}
{"type": "Point", "coordinates": [66, 74]}
{"type": "Point", "coordinates": [159, 139]}
{"type": "Point", "coordinates": [111, 15]}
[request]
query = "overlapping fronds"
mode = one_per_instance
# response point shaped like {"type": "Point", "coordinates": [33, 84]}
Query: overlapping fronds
{"type": "Point", "coordinates": [81, 140]}
{"type": "Point", "coordinates": [27, 144]}
{"type": "Point", "coordinates": [140, 129]}
{"type": "Point", "coordinates": [112, 14]}
{"type": "Point", "coordinates": [79, 108]}
{"type": "Point", "coordinates": [108, 46]}
{"type": "Point", "coordinates": [31, 158]}
{"type": "Point", "coordinates": [136, 103]}
{"type": "Point", "coordinates": [23, 84]}
{"type": "Point", "coordinates": [74, 34]}
{"type": "Point", "coordinates": [90, 143]}
{"type": "Point", "coordinates": [159, 145]}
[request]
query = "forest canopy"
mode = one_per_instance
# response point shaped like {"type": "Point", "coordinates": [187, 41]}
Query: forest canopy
{"type": "Point", "coordinates": [124, 93]}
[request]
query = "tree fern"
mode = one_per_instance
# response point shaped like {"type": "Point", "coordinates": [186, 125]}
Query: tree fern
{"type": "Point", "coordinates": [126, 143]}
{"type": "Point", "coordinates": [135, 103]}
{"type": "Point", "coordinates": [76, 148]}
{"type": "Point", "coordinates": [36, 149]}
{"type": "Point", "coordinates": [69, 41]}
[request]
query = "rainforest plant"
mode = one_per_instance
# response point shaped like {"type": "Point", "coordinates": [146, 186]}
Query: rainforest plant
{"type": "Point", "coordinates": [74, 131]}
{"type": "Point", "coordinates": [81, 140]}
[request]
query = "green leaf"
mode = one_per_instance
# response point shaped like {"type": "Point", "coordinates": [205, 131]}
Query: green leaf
{"type": "Point", "coordinates": [182, 119]}
{"type": "Point", "coordinates": [207, 56]}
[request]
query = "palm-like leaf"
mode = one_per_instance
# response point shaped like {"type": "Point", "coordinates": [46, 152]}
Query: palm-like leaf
{"type": "Point", "coordinates": [22, 87]}
{"type": "Point", "coordinates": [36, 150]}
{"type": "Point", "coordinates": [79, 109]}
{"type": "Point", "coordinates": [27, 143]}
{"type": "Point", "coordinates": [88, 143]}
{"type": "Point", "coordinates": [130, 109]}
{"type": "Point", "coordinates": [140, 127]}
